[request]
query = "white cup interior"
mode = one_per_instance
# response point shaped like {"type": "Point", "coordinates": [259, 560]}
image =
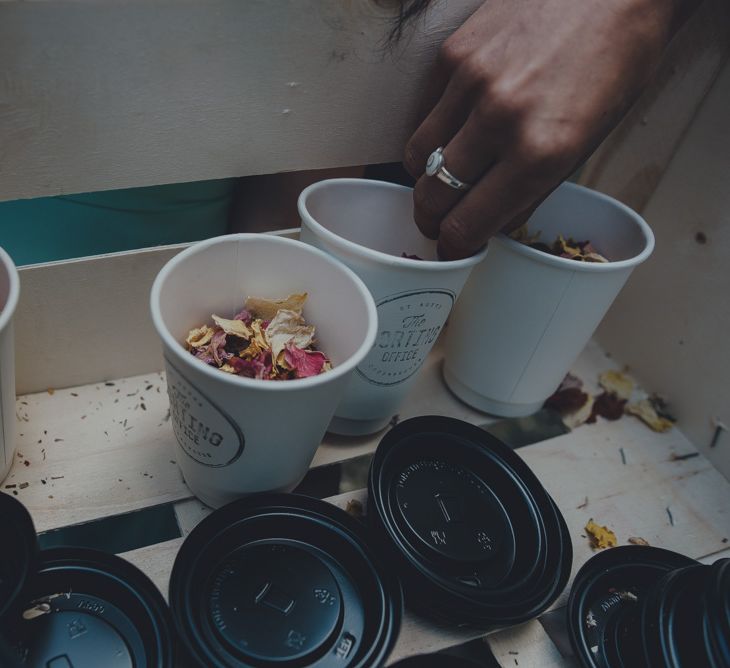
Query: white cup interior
{"type": "Point", "coordinates": [218, 275]}
{"type": "Point", "coordinates": [615, 231]}
{"type": "Point", "coordinates": [373, 214]}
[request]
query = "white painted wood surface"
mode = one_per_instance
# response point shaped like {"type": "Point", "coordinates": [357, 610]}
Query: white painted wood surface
{"type": "Point", "coordinates": [632, 161]}
{"type": "Point", "coordinates": [671, 322]}
{"type": "Point", "coordinates": [96, 311]}
{"type": "Point", "coordinates": [101, 95]}
{"type": "Point", "coordinates": [100, 453]}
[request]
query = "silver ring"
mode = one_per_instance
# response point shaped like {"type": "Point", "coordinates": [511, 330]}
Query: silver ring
{"type": "Point", "coordinates": [436, 167]}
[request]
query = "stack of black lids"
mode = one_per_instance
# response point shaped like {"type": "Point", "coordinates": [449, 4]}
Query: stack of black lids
{"type": "Point", "coordinates": [283, 580]}
{"type": "Point", "coordinates": [455, 518]}
{"type": "Point", "coordinates": [636, 606]}
{"type": "Point", "coordinates": [473, 535]}
{"type": "Point", "coordinates": [75, 607]}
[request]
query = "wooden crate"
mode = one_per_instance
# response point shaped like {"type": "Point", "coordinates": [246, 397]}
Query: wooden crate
{"type": "Point", "coordinates": [106, 447]}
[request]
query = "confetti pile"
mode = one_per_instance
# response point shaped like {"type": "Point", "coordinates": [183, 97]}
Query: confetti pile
{"type": "Point", "coordinates": [268, 340]}
{"type": "Point", "coordinates": [582, 251]}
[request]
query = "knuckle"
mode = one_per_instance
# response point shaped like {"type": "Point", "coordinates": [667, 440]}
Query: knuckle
{"type": "Point", "coordinates": [472, 74]}
{"type": "Point", "coordinates": [451, 54]}
{"type": "Point", "coordinates": [504, 101]}
{"type": "Point", "coordinates": [544, 151]}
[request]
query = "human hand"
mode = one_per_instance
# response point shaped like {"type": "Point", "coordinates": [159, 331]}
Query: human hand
{"type": "Point", "coordinates": [521, 94]}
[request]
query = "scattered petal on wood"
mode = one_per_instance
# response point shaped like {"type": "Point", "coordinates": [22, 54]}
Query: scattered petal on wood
{"type": "Point", "coordinates": [608, 406]}
{"type": "Point", "coordinates": [617, 383]}
{"type": "Point", "coordinates": [646, 413]}
{"type": "Point", "coordinates": [600, 536]}
{"type": "Point", "coordinates": [354, 508]}
{"type": "Point", "coordinates": [579, 417]}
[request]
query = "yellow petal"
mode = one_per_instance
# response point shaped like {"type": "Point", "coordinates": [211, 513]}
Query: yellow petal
{"type": "Point", "coordinates": [522, 234]}
{"type": "Point", "coordinates": [288, 327]}
{"type": "Point", "coordinates": [578, 417]}
{"type": "Point", "coordinates": [199, 336]}
{"type": "Point", "coordinates": [234, 327]}
{"type": "Point", "coordinates": [266, 309]}
{"type": "Point", "coordinates": [601, 537]}
{"type": "Point", "coordinates": [618, 383]}
{"type": "Point", "coordinates": [646, 413]}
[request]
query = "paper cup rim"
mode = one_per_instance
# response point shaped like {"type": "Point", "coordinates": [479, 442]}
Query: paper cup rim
{"type": "Point", "coordinates": [13, 289]}
{"type": "Point", "coordinates": [567, 263]}
{"type": "Point", "coordinates": [375, 255]}
{"type": "Point", "coordinates": [181, 354]}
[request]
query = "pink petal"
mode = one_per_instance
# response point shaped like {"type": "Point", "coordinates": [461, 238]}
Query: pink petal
{"type": "Point", "coordinates": [244, 315]}
{"type": "Point", "coordinates": [216, 347]}
{"type": "Point", "coordinates": [305, 363]}
{"type": "Point", "coordinates": [259, 367]}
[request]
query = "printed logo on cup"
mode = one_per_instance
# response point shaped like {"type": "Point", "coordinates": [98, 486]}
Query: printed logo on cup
{"type": "Point", "coordinates": [409, 324]}
{"type": "Point", "coordinates": [202, 429]}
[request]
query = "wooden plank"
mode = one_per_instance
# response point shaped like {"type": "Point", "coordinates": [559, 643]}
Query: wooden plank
{"type": "Point", "coordinates": [93, 451]}
{"type": "Point", "coordinates": [585, 463]}
{"type": "Point", "coordinates": [85, 321]}
{"type": "Point", "coordinates": [96, 311]}
{"type": "Point", "coordinates": [636, 498]}
{"type": "Point", "coordinates": [100, 453]}
{"type": "Point", "coordinates": [209, 89]}
{"type": "Point", "coordinates": [631, 162]}
{"type": "Point", "coordinates": [156, 561]}
{"type": "Point", "coordinates": [526, 646]}
{"type": "Point", "coordinates": [107, 436]}
{"type": "Point", "coordinates": [682, 352]}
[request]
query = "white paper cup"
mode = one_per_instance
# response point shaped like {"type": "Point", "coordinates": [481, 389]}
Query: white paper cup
{"type": "Point", "coordinates": [240, 435]}
{"type": "Point", "coordinates": [9, 293]}
{"type": "Point", "coordinates": [368, 225]}
{"type": "Point", "coordinates": [524, 316]}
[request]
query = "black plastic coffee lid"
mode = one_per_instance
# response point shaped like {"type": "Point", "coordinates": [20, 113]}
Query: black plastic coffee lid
{"type": "Point", "coordinates": [604, 588]}
{"type": "Point", "coordinates": [18, 554]}
{"type": "Point", "coordinates": [717, 614]}
{"type": "Point", "coordinates": [283, 580]}
{"type": "Point", "coordinates": [84, 609]}
{"type": "Point", "coordinates": [475, 537]}
{"type": "Point", "coordinates": [671, 620]}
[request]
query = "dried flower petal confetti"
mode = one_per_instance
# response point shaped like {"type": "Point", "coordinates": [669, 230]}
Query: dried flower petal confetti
{"type": "Point", "coordinates": [646, 412]}
{"type": "Point", "coordinates": [266, 309]}
{"type": "Point", "coordinates": [601, 537]}
{"type": "Point", "coordinates": [265, 340]}
{"type": "Point", "coordinates": [567, 400]}
{"type": "Point", "coordinates": [199, 337]}
{"type": "Point", "coordinates": [582, 251]}
{"type": "Point", "coordinates": [581, 415]}
{"type": "Point", "coordinates": [234, 327]}
{"type": "Point", "coordinates": [618, 383]}
{"type": "Point", "coordinates": [571, 401]}
{"type": "Point", "coordinates": [304, 363]}
{"type": "Point", "coordinates": [217, 347]}
{"type": "Point", "coordinates": [288, 327]}
{"type": "Point", "coordinates": [608, 406]}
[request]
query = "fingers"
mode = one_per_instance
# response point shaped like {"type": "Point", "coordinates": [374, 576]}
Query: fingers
{"type": "Point", "coordinates": [444, 121]}
{"type": "Point", "coordinates": [467, 157]}
{"type": "Point", "coordinates": [494, 202]}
